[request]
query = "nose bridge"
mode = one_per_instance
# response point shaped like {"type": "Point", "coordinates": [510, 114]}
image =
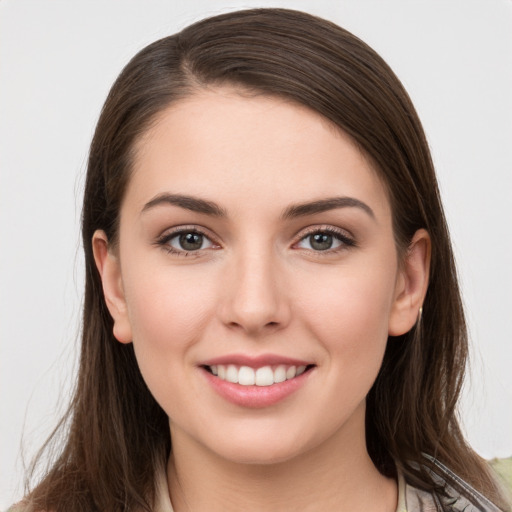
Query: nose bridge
{"type": "Point", "coordinates": [255, 301]}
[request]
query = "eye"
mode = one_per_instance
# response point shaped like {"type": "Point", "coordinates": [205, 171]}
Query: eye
{"type": "Point", "coordinates": [191, 241]}
{"type": "Point", "coordinates": [325, 240]}
{"type": "Point", "coordinates": [185, 241]}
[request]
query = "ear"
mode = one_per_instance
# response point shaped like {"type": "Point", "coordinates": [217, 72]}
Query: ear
{"type": "Point", "coordinates": [411, 286]}
{"type": "Point", "coordinates": [110, 272]}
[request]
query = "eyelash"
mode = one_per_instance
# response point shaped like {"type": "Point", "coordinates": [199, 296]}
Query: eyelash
{"type": "Point", "coordinates": [341, 236]}
{"type": "Point", "coordinates": [164, 240]}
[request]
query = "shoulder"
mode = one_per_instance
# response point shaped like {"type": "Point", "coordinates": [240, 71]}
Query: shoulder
{"type": "Point", "coordinates": [455, 494]}
{"type": "Point", "coordinates": [503, 468]}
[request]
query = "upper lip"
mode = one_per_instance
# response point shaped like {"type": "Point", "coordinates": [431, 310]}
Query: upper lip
{"type": "Point", "coordinates": [255, 361]}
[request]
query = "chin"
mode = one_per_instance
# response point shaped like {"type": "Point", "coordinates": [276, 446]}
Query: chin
{"type": "Point", "coordinates": [264, 448]}
{"type": "Point", "coordinates": [262, 457]}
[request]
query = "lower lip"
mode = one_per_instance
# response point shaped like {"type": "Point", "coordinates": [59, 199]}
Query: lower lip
{"type": "Point", "coordinates": [256, 396]}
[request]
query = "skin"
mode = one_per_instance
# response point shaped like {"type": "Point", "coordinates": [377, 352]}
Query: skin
{"type": "Point", "coordinates": [259, 286]}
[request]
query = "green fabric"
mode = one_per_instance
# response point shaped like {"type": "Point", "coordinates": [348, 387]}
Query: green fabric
{"type": "Point", "coordinates": [503, 468]}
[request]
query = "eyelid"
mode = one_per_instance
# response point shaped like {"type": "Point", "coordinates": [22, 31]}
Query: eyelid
{"type": "Point", "coordinates": [170, 233]}
{"type": "Point", "coordinates": [347, 239]}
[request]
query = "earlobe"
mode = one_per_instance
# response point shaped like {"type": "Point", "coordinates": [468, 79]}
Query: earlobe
{"type": "Point", "coordinates": [411, 286]}
{"type": "Point", "coordinates": [109, 269]}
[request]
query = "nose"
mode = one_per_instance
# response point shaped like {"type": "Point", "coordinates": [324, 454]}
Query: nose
{"type": "Point", "coordinates": [255, 298]}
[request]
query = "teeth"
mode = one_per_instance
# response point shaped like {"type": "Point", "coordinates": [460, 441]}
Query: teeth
{"type": "Point", "coordinates": [264, 376]}
{"type": "Point", "coordinates": [291, 372]}
{"type": "Point", "coordinates": [280, 373]}
{"type": "Point", "coordinates": [246, 376]}
{"type": "Point", "coordinates": [232, 374]}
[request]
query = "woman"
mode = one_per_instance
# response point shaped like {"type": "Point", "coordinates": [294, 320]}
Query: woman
{"type": "Point", "coordinates": [272, 319]}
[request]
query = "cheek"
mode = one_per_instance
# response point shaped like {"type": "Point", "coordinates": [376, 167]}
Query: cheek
{"type": "Point", "coordinates": [167, 301]}
{"type": "Point", "coordinates": [354, 297]}
{"type": "Point", "coordinates": [350, 314]}
{"type": "Point", "coordinates": [168, 311]}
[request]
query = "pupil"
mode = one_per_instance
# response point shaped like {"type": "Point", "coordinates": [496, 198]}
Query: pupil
{"type": "Point", "coordinates": [191, 241]}
{"type": "Point", "coordinates": [321, 241]}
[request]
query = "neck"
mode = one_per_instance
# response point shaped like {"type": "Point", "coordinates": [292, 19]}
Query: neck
{"type": "Point", "coordinates": [337, 475]}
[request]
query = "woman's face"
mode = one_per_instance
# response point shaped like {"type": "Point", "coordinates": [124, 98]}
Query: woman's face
{"type": "Point", "coordinates": [255, 245]}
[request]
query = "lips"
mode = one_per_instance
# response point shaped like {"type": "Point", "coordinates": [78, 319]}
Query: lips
{"type": "Point", "coordinates": [256, 381]}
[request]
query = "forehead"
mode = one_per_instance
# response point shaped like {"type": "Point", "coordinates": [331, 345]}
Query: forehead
{"type": "Point", "coordinates": [231, 143]}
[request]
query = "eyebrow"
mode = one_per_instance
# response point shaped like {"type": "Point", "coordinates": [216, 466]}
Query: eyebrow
{"type": "Point", "coordinates": [194, 204]}
{"type": "Point", "coordinates": [198, 205]}
{"type": "Point", "coordinates": [324, 205]}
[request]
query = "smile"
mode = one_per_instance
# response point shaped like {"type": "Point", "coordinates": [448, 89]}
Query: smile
{"type": "Point", "coordinates": [256, 381]}
{"type": "Point", "coordinates": [262, 376]}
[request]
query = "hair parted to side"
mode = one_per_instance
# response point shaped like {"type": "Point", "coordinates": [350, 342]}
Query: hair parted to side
{"type": "Point", "coordinates": [117, 435]}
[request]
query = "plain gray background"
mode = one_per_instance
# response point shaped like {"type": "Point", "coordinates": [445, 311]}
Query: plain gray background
{"type": "Point", "coordinates": [57, 62]}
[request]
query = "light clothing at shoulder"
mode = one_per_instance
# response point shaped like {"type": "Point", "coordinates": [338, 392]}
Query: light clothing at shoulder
{"type": "Point", "coordinates": [460, 496]}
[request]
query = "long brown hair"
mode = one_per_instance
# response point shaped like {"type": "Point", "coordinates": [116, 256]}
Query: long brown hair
{"type": "Point", "coordinates": [116, 434]}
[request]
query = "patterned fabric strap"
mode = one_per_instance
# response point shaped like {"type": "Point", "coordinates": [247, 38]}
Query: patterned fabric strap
{"type": "Point", "coordinates": [458, 495]}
